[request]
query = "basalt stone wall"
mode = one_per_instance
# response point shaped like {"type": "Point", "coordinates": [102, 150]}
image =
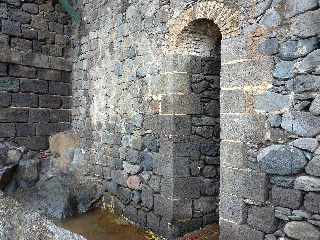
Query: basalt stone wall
{"type": "Point", "coordinates": [145, 104]}
{"type": "Point", "coordinates": [35, 83]}
{"type": "Point", "coordinates": [270, 191]}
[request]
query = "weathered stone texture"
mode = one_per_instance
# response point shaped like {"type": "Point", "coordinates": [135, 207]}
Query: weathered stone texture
{"type": "Point", "coordinates": [148, 106]}
{"type": "Point", "coordinates": [30, 70]}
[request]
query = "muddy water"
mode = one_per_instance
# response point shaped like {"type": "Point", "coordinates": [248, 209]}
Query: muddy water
{"type": "Point", "coordinates": [104, 225]}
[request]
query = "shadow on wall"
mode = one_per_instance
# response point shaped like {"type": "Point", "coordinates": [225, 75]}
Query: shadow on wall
{"type": "Point", "coordinates": [200, 42]}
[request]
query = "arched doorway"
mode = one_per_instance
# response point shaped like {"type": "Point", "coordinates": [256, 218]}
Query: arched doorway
{"type": "Point", "coordinates": [189, 147]}
{"type": "Point", "coordinates": [190, 99]}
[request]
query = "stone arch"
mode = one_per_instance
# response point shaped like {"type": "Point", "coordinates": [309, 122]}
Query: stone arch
{"type": "Point", "coordinates": [225, 17]}
{"type": "Point", "coordinates": [192, 107]}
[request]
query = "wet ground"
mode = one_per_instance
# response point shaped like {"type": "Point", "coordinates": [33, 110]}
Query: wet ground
{"type": "Point", "coordinates": [104, 225]}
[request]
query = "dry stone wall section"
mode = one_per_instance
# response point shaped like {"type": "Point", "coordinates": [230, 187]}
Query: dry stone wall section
{"type": "Point", "coordinates": [270, 134]}
{"type": "Point", "coordinates": [132, 113]}
{"type": "Point", "coordinates": [35, 83]}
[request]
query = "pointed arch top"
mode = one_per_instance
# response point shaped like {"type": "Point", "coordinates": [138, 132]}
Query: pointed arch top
{"type": "Point", "coordinates": [225, 17]}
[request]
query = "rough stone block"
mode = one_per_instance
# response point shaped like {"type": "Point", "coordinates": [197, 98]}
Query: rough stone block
{"type": "Point", "coordinates": [306, 25]}
{"type": "Point", "coordinates": [38, 115]}
{"type": "Point", "coordinates": [24, 130]}
{"type": "Point", "coordinates": [3, 11]}
{"type": "Point", "coordinates": [4, 41]}
{"type": "Point", "coordinates": [19, 16]}
{"type": "Point", "coordinates": [49, 101]}
{"type": "Point", "coordinates": [307, 183]}
{"type": "Point", "coordinates": [59, 88]}
{"type": "Point", "coordinates": [233, 49]}
{"type": "Point", "coordinates": [312, 202]}
{"type": "Point", "coordinates": [228, 230]}
{"type": "Point", "coordinates": [120, 177]}
{"type": "Point", "coordinates": [246, 73]}
{"type": "Point", "coordinates": [269, 47]}
{"type": "Point", "coordinates": [20, 44]}
{"type": "Point", "coordinates": [304, 83]}
{"type": "Point", "coordinates": [174, 83]}
{"type": "Point", "coordinates": [301, 123]}
{"type": "Point", "coordinates": [173, 166]}
{"type": "Point", "coordinates": [272, 102]}
{"type": "Point", "coordinates": [14, 115]}
{"type": "Point", "coordinates": [294, 7]}
{"type": "Point", "coordinates": [7, 130]}
{"type": "Point", "coordinates": [205, 205]}
{"type": "Point", "coordinates": [244, 183]}
{"type": "Point", "coordinates": [8, 56]}
{"type": "Point", "coordinates": [22, 71]}
{"type": "Point", "coordinates": [284, 70]}
{"type": "Point", "coordinates": [24, 100]}
{"type": "Point", "coordinates": [147, 197]}
{"type": "Point", "coordinates": [243, 127]}
{"type": "Point", "coordinates": [60, 116]}
{"type": "Point", "coordinates": [292, 49]}
{"type": "Point", "coordinates": [66, 76]}
{"type": "Point", "coordinates": [233, 101]}
{"type": "Point", "coordinates": [180, 228]}
{"type": "Point", "coordinates": [36, 60]}
{"type": "Point", "coordinates": [281, 160]}
{"type": "Point", "coordinates": [9, 84]}
{"type": "Point", "coordinates": [29, 33]}
{"type": "Point", "coordinates": [142, 218]}
{"type": "Point", "coordinates": [172, 209]}
{"type": "Point", "coordinates": [33, 143]}
{"type": "Point", "coordinates": [131, 212]}
{"type": "Point", "coordinates": [35, 86]}
{"type": "Point", "coordinates": [209, 187]}
{"type": "Point", "coordinates": [49, 74]}
{"type": "Point", "coordinates": [309, 64]}
{"type": "Point", "coordinates": [56, 27]}
{"type": "Point", "coordinates": [184, 187]}
{"type": "Point", "coordinates": [59, 63]}
{"type": "Point", "coordinates": [66, 102]}
{"type": "Point", "coordinates": [5, 99]}
{"type": "Point", "coordinates": [3, 69]}
{"type": "Point", "coordinates": [233, 208]}
{"type": "Point", "coordinates": [287, 198]}
{"type": "Point", "coordinates": [246, 233]}
{"type": "Point", "coordinates": [263, 219]}
{"type": "Point", "coordinates": [233, 154]}
{"type": "Point", "coordinates": [30, 8]}
{"type": "Point", "coordinates": [172, 125]}
{"type": "Point", "coordinates": [46, 129]}
{"type": "Point", "coordinates": [39, 23]}
{"type": "Point", "coordinates": [11, 28]}
{"type": "Point", "coordinates": [153, 221]}
{"type": "Point", "coordinates": [180, 104]}
{"type": "Point", "coordinates": [182, 63]}
{"type": "Point", "coordinates": [61, 40]}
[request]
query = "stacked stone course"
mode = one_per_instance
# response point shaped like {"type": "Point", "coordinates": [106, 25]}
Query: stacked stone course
{"type": "Point", "coordinates": [138, 112]}
{"type": "Point", "coordinates": [281, 187]}
{"type": "Point", "coordinates": [35, 72]}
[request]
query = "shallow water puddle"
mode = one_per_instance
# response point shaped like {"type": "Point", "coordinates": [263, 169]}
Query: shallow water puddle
{"type": "Point", "coordinates": [102, 224]}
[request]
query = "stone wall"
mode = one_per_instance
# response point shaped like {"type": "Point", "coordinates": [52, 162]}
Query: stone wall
{"type": "Point", "coordinates": [270, 131]}
{"type": "Point", "coordinates": [136, 97]}
{"type": "Point", "coordinates": [35, 83]}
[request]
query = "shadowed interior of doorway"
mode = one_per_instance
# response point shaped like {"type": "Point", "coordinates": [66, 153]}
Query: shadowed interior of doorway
{"type": "Point", "coordinates": [200, 41]}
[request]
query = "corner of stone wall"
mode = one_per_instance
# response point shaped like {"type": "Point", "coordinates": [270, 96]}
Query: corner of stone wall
{"type": "Point", "coordinates": [35, 81]}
